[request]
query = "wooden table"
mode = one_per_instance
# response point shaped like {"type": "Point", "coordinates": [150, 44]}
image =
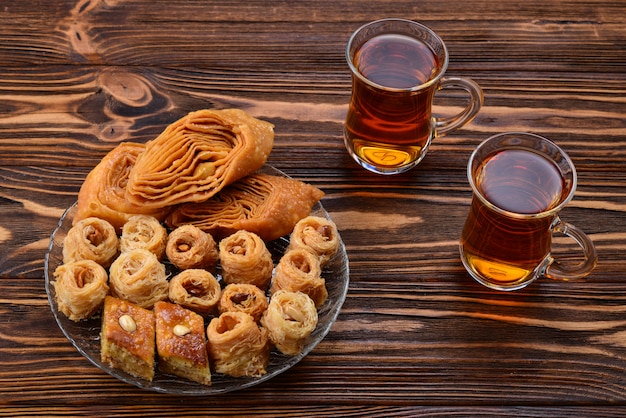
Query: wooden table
{"type": "Point", "coordinates": [416, 335]}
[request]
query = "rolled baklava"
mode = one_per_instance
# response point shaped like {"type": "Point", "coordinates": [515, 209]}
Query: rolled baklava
{"type": "Point", "coordinates": [188, 247]}
{"type": "Point", "coordinates": [139, 277]}
{"type": "Point", "coordinates": [289, 319]}
{"type": "Point", "coordinates": [245, 259]}
{"type": "Point", "coordinates": [195, 289]}
{"type": "Point", "coordinates": [80, 288]}
{"type": "Point", "coordinates": [91, 239]}
{"type": "Point", "coordinates": [299, 271]}
{"type": "Point", "coordinates": [142, 231]}
{"type": "Point", "coordinates": [237, 345]}
{"type": "Point", "coordinates": [243, 297]}
{"type": "Point", "coordinates": [318, 235]}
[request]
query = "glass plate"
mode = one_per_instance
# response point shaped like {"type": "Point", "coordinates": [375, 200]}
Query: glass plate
{"type": "Point", "coordinates": [85, 335]}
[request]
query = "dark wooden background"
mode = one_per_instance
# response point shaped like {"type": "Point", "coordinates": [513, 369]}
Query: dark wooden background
{"type": "Point", "coordinates": [416, 335]}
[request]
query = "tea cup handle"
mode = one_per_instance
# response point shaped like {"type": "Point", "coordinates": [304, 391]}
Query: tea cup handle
{"type": "Point", "coordinates": [560, 271]}
{"type": "Point", "coordinates": [444, 125]}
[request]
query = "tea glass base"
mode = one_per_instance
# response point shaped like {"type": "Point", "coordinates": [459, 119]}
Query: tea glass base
{"type": "Point", "coordinates": [530, 277]}
{"type": "Point", "coordinates": [420, 153]}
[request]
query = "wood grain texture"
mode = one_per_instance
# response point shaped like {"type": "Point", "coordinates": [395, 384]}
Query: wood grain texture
{"type": "Point", "coordinates": [415, 336]}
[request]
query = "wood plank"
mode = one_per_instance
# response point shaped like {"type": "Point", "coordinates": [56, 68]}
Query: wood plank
{"type": "Point", "coordinates": [412, 341]}
{"type": "Point", "coordinates": [106, 105]}
{"type": "Point", "coordinates": [523, 36]}
{"type": "Point", "coordinates": [416, 335]}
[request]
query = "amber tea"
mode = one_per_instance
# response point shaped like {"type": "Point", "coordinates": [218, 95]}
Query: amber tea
{"type": "Point", "coordinates": [390, 128]}
{"type": "Point", "coordinates": [396, 61]}
{"type": "Point", "coordinates": [516, 181]}
{"type": "Point", "coordinates": [519, 185]}
{"type": "Point", "coordinates": [397, 66]}
{"type": "Point", "coordinates": [520, 181]}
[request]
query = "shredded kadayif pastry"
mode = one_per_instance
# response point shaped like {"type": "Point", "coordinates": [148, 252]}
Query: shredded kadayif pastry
{"type": "Point", "coordinates": [196, 156]}
{"type": "Point", "coordinates": [243, 297]}
{"type": "Point", "coordinates": [264, 204]}
{"type": "Point", "coordinates": [91, 239]}
{"type": "Point", "coordinates": [188, 247]}
{"type": "Point", "coordinates": [245, 259]}
{"type": "Point", "coordinates": [299, 271]}
{"type": "Point", "coordinates": [142, 231]}
{"type": "Point", "coordinates": [102, 193]}
{"type": "Point", "coordinates": [237, 345]}
{"type": "Point", "coordinates": [80, 287]}
{"type": "Point", "coordinates": [138, 277]}
{"type": "Point", "coordinates": [195, 289]}
{"type": "Point", "coordinates": [318, 235]}
{"type": "Point", "coordinates": [290, 318]}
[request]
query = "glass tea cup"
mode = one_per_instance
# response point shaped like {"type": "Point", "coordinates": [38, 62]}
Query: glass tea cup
{"type": "Point", "coordinates": [520, 183]}
{"type": "Point", "coordinates": [397, 67]}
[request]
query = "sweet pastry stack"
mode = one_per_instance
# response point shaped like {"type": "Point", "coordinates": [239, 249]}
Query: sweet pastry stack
{"type": "Point", "coordinates": [169, 243]}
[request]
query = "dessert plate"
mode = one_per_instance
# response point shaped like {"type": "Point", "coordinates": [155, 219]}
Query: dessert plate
{"type": "Point", "coordinates": [85, 335]}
